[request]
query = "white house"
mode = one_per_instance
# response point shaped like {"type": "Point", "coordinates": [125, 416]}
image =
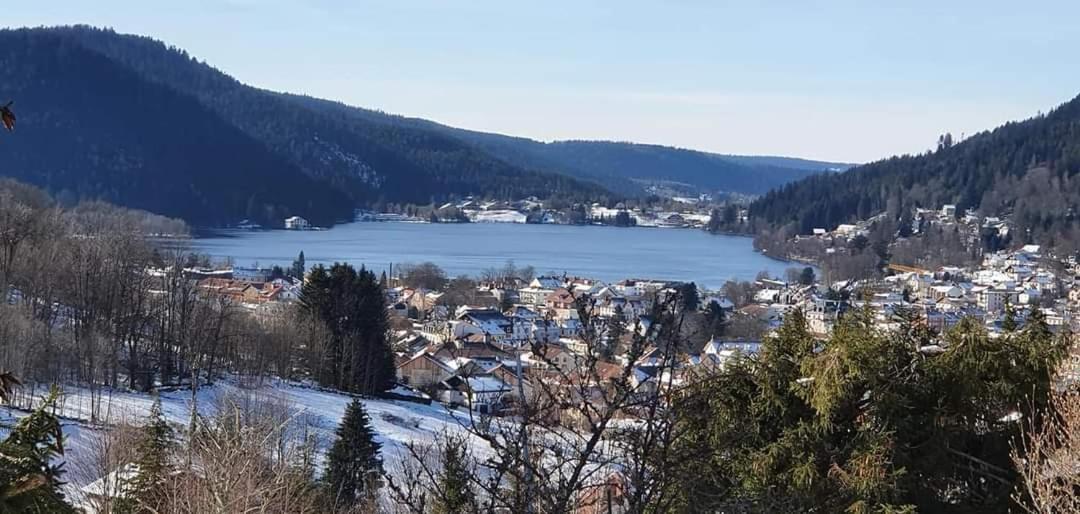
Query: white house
{"type": "Point", "coordinates": [296, 223]}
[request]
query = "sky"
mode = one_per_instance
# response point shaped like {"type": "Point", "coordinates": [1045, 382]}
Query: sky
{"type": "Point", "coordinates": [849, 81]}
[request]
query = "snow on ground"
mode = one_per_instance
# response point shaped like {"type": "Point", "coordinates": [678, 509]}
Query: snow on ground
{"type": "Point", "coordinates": [499, 216]}
{"type": "Point", "coordinates": [319, 412]}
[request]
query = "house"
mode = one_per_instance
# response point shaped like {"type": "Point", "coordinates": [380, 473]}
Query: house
{"type": "Point", "coordinates": [551, 357]}
{"type": "Point", "coordinates": [493, 325]}
{"type": "Point", "coordinates": [941, 292]}
{"type": "Point", "coordinates": [296, 223]}
{"type": "Point", "coordinates": [423, 369]}
{"type": "Point", "coordinates": [993, 300]}
{"type": "Point", "coordinates": [483, 394]}
{"type": "Point", "coordinates": [560, 300]}
{"type": "Point", "coordinates": [538, 290]}
{"type": "Point", "coordinates": [716, 347]}
{"type": "Point", "coordinates": [425, 303]}
{"type": "Point", "coordinates": [847, 230]}
{"type": "Point", "coordinates": [672, 220]}
{"type": "Point", "coordinates": [250, 274]}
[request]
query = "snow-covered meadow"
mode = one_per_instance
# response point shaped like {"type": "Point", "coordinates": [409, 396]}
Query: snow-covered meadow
{"type": "Point", "coordinates": [312, 412]}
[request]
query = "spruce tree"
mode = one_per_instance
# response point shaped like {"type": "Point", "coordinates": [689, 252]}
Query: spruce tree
{"type": "Point", "coordinates": [352, 304]}
{"type": "Point", "coordinates": [29, 482]}
{"type": "Point", "coordinates": [298, 267]}
{"type": "Point", "coordinates": [455, 495]}
{"type": "Point", "coordinates": [353, 464]}
{"type": "Point", "coordinates": [154, 465]}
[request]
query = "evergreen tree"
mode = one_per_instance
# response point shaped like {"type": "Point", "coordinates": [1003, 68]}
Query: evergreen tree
{"type": "Point", "coordinates": [1008, 324]}
{"type": "Point", "coordinates": [154, 465]}
{"type": "Point", "coordinates": [353, 465]}
{"type": "Point", "coordinates": [352, 304]}
{"type": "Point", "coordinates": [714, 320]}
{"type": "Point", "coordinates": [689, 299]}
{"type": "Point", "coordinates": [454, 492]}
{"type": "Point", "coordinates": [29, 482]}
{"type": "Point", "coordinates": [298, 267]}
{"type": "Point", "coordinates": [867, 421]}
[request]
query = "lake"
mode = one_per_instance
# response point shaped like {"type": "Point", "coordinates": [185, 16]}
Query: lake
{"type": "Point", "coordinates": [605, 253]}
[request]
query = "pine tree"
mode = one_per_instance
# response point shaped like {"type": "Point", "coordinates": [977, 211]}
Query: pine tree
{"type": "Point", "coordinates": [154, 464]}
{"type": "Point", "coordinates": [353, 464]}
{"type": "Point", "coordinates": [454, 494]}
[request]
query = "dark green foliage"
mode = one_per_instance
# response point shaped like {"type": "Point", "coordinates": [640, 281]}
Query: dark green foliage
{"type": "Point", "coordinates": [94, 129]}
{"type": "Point", "coordinates": [132, 121]}
{"type": "Point", "coordinates": [715, 317]}
{"type": "Point", "coordinates": [1008, 324]}
{"type": "Point", "coordinates": [866, 422]}
{"type": "Point", "coordinates": [29, 482]}
{"type": "Point", "coordinates": [353, 466]}
{"type": "Point", "coordinates": [298, 267]}
{"type": "Point", "coordinates": [369, 155]}
{"type": "Point", "coordinates": [1024, 168]}
{"type": "Point", "coordinates": [454, 492]}
{"type": "Point", "coordinates": [353, 306]}
{"type": "Point", "coordinates": [689, 299]}
{"type": "Point", "coordinates": [145, 493]}
{"type": "Point", "coordinates": [624, 219]}
{"type": "Point", "coordinates": [625, 167]}
{"type": "Point", "coordinates": [806, 277]}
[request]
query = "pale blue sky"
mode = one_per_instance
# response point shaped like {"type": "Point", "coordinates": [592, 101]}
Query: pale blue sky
{"type": "Point", "coordinates": [838, 80]}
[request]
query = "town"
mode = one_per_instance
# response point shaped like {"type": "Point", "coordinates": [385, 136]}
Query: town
{"type": "Point", "coordinates": [472, 343]}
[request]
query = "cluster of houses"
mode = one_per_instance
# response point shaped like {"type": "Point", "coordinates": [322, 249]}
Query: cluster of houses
{"type": "Point", "coordinates": [969, 223]}
{"type": "Point", "coordinates": [483, 353]}
{"type": "Point", "coordinates": [691, 214]}
{"type": "Point", "coordinates": [488, 357]}
{"type": "Point", "coordinates": [1019, 281]}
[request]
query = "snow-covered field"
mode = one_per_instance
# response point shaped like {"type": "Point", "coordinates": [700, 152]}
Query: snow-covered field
{"type": "Point", "coordinates": [503, 216]}
{"type": "Point", "coordinates": [397, 423]}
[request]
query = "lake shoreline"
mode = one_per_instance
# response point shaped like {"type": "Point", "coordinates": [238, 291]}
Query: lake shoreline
{"type": "Point", "coordinates": [603, 252]}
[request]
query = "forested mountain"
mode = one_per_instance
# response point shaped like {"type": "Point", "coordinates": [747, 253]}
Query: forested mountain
{"type": "Point", "coordinates": [1024, 170]}
{"type": "Point", "coordinates": [625, 168]}
{"type": "Point", "coordinates": [130, 120]}
{"type": "Point", "coordinates": [91, 129]}
{"type": "Point", "coordinates": [616, 164]}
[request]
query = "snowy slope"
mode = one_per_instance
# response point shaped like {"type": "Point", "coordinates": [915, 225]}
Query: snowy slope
{"type": "Point", "coordinates": [397, 423]}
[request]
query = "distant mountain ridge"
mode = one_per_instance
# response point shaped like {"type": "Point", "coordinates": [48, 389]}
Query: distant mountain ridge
{"type": "Point", "coordinates": [618, 166]}
{"type": "Point", "coordinates": [133, 121]}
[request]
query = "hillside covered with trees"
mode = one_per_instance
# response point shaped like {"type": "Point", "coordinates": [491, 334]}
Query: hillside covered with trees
{"type": "Point", "coordinates": [90, 128]}
{"type": "Point", "coordinates": [1024, 171]}
{"type": "Point", "coordinates": [132, 121]}
{"type": "Point", "coordinates": [625, 168]}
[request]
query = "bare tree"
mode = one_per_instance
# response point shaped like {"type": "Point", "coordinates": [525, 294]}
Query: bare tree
{"type": "Point", "coordinates": [1048, 459]}
{"type": "Point", "coordinates": [588, 434]}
